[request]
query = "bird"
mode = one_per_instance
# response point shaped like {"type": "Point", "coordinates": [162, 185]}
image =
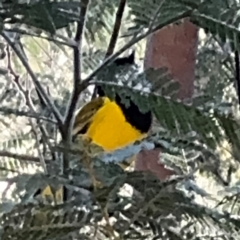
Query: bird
{"type": "Point", "coordinates": [109, 123]}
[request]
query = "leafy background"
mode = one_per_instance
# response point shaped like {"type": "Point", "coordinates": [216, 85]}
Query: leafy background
{"type": "Point", "coordinates": [200, 141]}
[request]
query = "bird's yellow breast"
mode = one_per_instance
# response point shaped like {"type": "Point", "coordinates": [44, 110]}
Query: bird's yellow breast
{"type": "Point", "coordinates": [109, 128]}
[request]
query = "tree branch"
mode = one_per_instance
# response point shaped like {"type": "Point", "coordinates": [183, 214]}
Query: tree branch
{"type": "Point", "coordinates": [77, 73]}
{"type": "Point", "coordinates": [116, 28]}
{"type": "Point", "coordinates": [115, 33]}
{"type": "Point", "coordinates": [21, 157]}
{"type": "Point", "coordinates": [237, 72]}
{"type": "Point", "coordinates": [67, 41]}
{"type": "Point", "coordinates": [18, 113]}
{"type": "Point", "coordinates": [69, 119]}
{"type": "Point", "coordinates": [28, 101]}
{"type": "Point", "coordinates": [37, 84]}
{"type": "Point", "coordinates": [85, 83]}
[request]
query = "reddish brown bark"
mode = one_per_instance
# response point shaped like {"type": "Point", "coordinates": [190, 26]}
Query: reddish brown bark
{"type": "Point", "coordinates": [173, 47]}
{"type": "Point", "coordinates": [148, 160]}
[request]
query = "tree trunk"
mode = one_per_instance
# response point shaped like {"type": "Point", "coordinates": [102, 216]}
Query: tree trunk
{"type": "Point", "coordinates": [173, 47]}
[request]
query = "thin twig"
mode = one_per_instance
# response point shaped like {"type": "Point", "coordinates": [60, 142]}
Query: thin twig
{"type": "Point", "coordinates": [27, 98]}
{"type": "Point", "coordinates": [237, 72]}
{"type": "Point", "coordinates": [116, 28]}
{"type": "Point", "coordinates": [67, 41]}
{"type": "Point", "coordinates": [115, 33]}
{"type": "Point", "coordinates": [35, 81]}
{"type": "Point", "coordinates": [5, 93]}
{"type": "Point", "coordinates": [77, 72]}
{"type": "Point", "coordinates": [151, 25]}
{"type": "Point", "coordinates": [41, 157]}
{"type": "Point", "coordinates": [19, 113]}
{"type": "Point", "coordinates": [23, 157]}
{"type": "Point", "coordinates": [24, 92]}
{"type": "Point", "coordinates": [69, 119]}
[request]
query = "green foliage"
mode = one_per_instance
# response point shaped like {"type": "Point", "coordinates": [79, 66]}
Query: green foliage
{"type": "Point", "coordinates": [198, 139]}
{"type": "Point", "coordinates": [44, 15]}
{"type": "Point", "coordinates": [149, 15]}
{"type": "Point", "coordinates": [67, 219]}
{"type": "Point", "coordinates": [220, 18]}
{"type": "Point", "coordinates": [54, 17]}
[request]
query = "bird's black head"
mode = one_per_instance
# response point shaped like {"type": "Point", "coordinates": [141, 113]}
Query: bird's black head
{"type": "Point", "coordinates": [129, 60]}
{"type": "Point", "coordinates": [125, 60]}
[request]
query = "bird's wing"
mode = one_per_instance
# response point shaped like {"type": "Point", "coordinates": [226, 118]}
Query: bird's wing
{"type": "Point", "coordinates": [48, 194]}
{"type": "Point", "coordinates": [84, 116]}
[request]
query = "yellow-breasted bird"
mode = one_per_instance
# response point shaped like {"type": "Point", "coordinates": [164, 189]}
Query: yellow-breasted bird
{"type": "Point", "coordinates": [110, 123]}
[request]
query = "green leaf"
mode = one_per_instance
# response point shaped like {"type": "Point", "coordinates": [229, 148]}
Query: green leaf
{"type": "Point", "coordinates": [45, 15]}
